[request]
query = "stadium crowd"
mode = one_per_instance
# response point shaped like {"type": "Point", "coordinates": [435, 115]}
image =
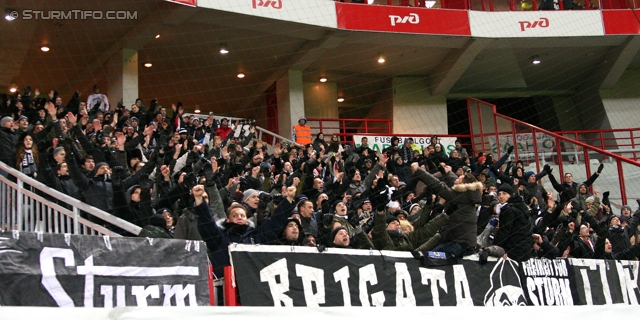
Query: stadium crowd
{"type": "Point", "coordinates": [183, 177]}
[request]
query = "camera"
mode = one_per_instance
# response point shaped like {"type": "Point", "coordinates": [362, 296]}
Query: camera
{"type": "Point", "coordinates": [265, 198]}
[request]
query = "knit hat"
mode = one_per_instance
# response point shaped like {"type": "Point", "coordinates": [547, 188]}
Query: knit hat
{"type": "Point", "coordinates": [5, 120]}
{"type": "Point", "coordinates": [528, 174]}
{"type": "Point", "coordinates": [625, 207]}
{"type": "Point", "coordinates": [248, 193]}
{"type": "Point", "coordinates": [134, 119]}
{"type": "Point", "coordinates": [482, 159]}
{"type": "Point", "coordinates": [57, 150]}
{"type": "Point", "coordinates": [393, 204]}
{"type": "Point", "coordinates": [99, 165]}
{"type": "Point", "coordinates": [413, 206]}
{"type": "Point", "coordinates": [590, 199]}
{"type": "Point", "coordinates": [401, 212]}
{"type": "Point", "coordinates": [506, 188]}
{"type": "Point", "coordinates": [22, 117]}
{"type": "Point", "coordinates": [335, 232]}
{"type": "Point", "coordinates": [391, 219]}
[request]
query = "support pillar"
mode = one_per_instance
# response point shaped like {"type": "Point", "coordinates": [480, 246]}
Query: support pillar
{"type": "Point", "coordinates": [415, 110]}
{"type": "Point", "coordinates": [123, 77]}
{"type": "Point", "coordinates": [290, 92]}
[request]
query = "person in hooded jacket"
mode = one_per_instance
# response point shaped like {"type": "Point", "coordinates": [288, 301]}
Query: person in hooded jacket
{"type": "Point", "coordinates": [156, 228]}
{"type": "Point", "coordinates": [459, 233]}
{"type": "Point", "coordinates": [393, 148]}
{"type": "Point", "coordinates": [235, 228]}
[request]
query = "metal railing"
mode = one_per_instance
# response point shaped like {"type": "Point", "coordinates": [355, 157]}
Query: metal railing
{"type": "Point", "coordinates": [487, 127]}
{"type": "Point", "coordinates": [346, 128]}
{"type": "Point", "coordinates": [625, 142]}
{"type": "Point", "coordinates": [270, 138]}
{"type": "Point", "coordinates": [28, 205]}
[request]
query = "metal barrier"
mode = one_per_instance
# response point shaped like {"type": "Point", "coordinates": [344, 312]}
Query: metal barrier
{"type": "Point", "coordinates": [625, 142]}
{"type": "Point", "coordinates": [274, 138]}
{"type": "Point", "coordinates": [488, 134]}
{"type": "Point", "coordinates": [28, 205]}
{"type": "Point", "coordinates": [346, 128]}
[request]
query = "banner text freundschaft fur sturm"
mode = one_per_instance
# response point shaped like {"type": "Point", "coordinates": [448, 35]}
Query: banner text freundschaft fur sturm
{"type": "Point", "coordinates": [300, 276]}
{"type": "Point", "coordinates": [65, 270]}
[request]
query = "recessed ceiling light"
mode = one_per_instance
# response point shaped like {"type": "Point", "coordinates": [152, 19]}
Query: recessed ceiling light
{"type": "Point", "coordinates": [148, 64]}
{"type": "Point", "coordinates": [381, 58]}
{"type": "Point", "coordinates": [323, 79]}
{"type": "Point", "coordinates": [11, 15]}
{"type": "Point", "coordinates": [240, 75]}
{"type": "Point", "coordinates": [535, 59]}
{"type": "Point", "coordinates": [223, 49]}
{"type": "Point", "coordinates": [157, 36]}
{"type": "Point", "coordinates": [340, 99]}
{"type": "Point", "coordinates": [45, 49]}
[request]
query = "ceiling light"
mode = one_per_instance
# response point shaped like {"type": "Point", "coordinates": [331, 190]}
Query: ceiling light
{"type": "Point", "coordinates": [45, 49]}
{"type": "Point", "coordinates": [157, 36]}
{"type": "Point", "coordinates": [340, 99]}
{"type": "Point", "coordinates": [11, 15]}
{"type": "Point", "coordinates": [223, 49]}
{"type": "Point", "coordinates": [381, 58]}
{"type": "Point", "coordinates": [240, 75]}
{"type": "Point", "coordinates": [535, 59]}
{"type": "Point", "coordinates": [148, 64]}
{"type": "Point", "coordinates": [323, 79]}
{"type": "Point", "coordinates": [197, 111]}
{"type": "Point", "coordinates": [13, 89]}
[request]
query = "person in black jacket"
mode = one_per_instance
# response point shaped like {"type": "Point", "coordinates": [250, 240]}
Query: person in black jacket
{"type": "Point", "coordinates": [514, 236]}
{"type": "Point", "coordinates": [235, 228]}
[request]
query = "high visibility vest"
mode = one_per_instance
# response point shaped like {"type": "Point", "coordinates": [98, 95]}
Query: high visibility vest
{"type": "Point", "coordinates": [303, 134]}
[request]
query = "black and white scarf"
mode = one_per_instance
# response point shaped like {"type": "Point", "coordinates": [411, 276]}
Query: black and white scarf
{"type": "Point", "coordinates": [28, 164]}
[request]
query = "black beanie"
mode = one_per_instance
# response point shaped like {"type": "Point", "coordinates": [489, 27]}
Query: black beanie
{"type": "Point", "coordinates": [505, 187]}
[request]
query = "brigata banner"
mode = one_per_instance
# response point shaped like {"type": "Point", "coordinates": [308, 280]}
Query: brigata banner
{"type": "Point", "coordinates": [302, 276]}
{"type": "Point", "coordinates": [379, 143]}
{"type": "Point", "coordinates": [65, 270]}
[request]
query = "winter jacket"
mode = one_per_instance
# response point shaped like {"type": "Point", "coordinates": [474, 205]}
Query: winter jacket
{"type": "Point", "coordinates": [461, 227]}
{"type": "Point", "coordinates": [8, 144]}
{"type": "Point", "coordinates": [219, 238]}
{"type": "Point", "coordinates": [514, 234]}
{"type": "Point", "coordinates": [398, 241]}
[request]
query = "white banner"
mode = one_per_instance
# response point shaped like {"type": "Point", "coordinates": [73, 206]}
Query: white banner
{"type": "Point", "coordinates": [521, 24]}
{"type": "Point", "coordinates": [314, 12]}
{"type": "Point", "coordinates": [525, 142]}
{"type": "Point", "coordinates": [378, 143]}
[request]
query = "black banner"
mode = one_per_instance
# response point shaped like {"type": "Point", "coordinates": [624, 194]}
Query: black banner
{"type": "Point", "coordinates": [301, 276]}
{"type": "Point", "coordinates": [65, 270]}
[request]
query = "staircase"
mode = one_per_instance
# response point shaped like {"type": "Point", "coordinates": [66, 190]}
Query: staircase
{"type": "Point", "coordinates": [536, 147]}
{"type": "Point", "coordinates": [28, 205]}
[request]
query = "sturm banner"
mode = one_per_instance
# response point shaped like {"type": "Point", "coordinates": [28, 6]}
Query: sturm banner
{"type": "Point", "coordinates": [41, 269]}
{"type": "Point", "coordinates": [301, 276]}
{"type": "Point", "coordinates": [379, 143]}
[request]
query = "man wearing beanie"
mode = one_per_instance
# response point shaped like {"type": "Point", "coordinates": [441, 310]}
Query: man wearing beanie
{"type": "Point", "coordinates": [251, 202]}
{"type": "Point", "coordinates": [514, 238]}
{"type": "Point", "coordinates": [8, 142]}
{"type": "Point", "coordinates": [532, 189]}
{"type": "Point", "coordinates": [340, 238]}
